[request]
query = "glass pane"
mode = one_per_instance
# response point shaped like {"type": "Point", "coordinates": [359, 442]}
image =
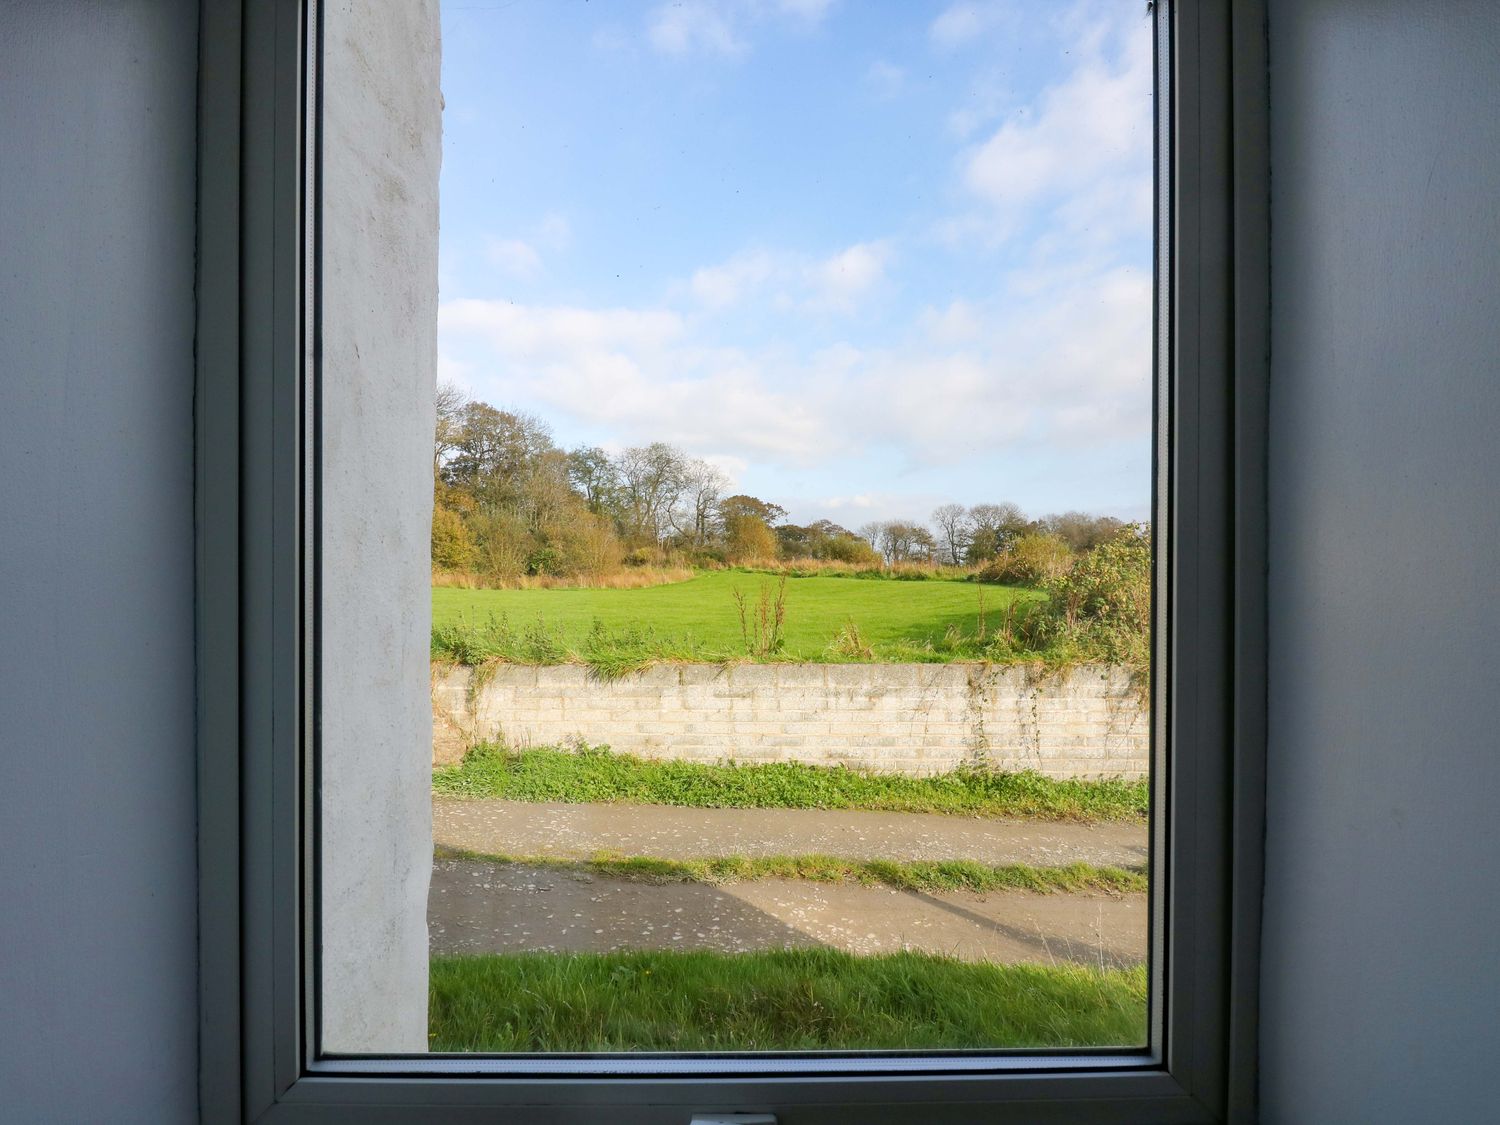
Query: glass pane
{"type": "Point", "coordinates": [790, 545]}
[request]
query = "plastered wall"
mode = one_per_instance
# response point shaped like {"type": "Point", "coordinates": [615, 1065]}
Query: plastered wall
{"type": "Point", "coordinates": [382, 147]}
{"type": "Point", "coordinates": [1381, 960]}
{"type": "Point", "coordinates": [98, 927]}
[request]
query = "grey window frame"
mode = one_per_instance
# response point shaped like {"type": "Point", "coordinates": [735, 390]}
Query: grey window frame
{"type": "Point", "coordinates": [256, 510]}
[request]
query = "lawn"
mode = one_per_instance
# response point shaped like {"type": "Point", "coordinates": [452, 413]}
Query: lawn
{"type": "Point", "coordinates": [782, 1000]}
{"type": "Point", "coordinates": [594, 774]}
{"type": "Point", "coordinates": [932, 620]}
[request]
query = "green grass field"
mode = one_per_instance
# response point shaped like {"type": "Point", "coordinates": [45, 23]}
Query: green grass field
{"type": "Point", "coordinates": [590, 774]}
{"type": "Point", "coordinates": [783, 1000]}
{"type": "Point", "coordinates": [932, 620]}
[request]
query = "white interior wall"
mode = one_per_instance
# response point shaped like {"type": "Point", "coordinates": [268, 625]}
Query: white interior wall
{"type": "Point", "coordinates": [98, 969]}
{"type": "Point", "coordinates": [1382, 903]}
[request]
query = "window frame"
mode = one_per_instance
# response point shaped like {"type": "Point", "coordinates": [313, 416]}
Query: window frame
{"type": "Point", "coordinates": [256, 512]}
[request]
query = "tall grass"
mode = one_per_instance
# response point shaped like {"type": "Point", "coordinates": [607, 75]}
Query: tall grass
{"type": "Point", "coordinates": [588, 774]}
{"type": "Point", "coordinates": [633, 578]}
{"type": "Point", "coordinates": [779, 1000]}
{"type": "Point", "coordinates": [833, 568]}
{"type": "Point", "coordinates": [639, 577]}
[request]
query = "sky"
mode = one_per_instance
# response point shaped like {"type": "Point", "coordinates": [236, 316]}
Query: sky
{"type": "Point", "coordinates": [866, 256]}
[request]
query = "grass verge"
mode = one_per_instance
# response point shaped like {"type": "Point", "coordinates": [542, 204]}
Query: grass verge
{"type": "Point", "coordinates": [907, 875]}
{"type": "Point", "coordinates": [597, 775]}
{"type": "Point", "coordinates": [781, 1000]}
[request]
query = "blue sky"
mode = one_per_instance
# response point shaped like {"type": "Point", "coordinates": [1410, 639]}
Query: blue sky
{"type": "Point", "coordinates": [867, 257]}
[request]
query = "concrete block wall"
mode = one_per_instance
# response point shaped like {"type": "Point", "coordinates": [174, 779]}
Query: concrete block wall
{"type": "Point", "coordinates": [1089, 721]}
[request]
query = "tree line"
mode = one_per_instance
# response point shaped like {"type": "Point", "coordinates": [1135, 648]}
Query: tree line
{"type": "Point", "coordinates": [508, 501]}
{"type": "Point", "coordinates": [972, 536]}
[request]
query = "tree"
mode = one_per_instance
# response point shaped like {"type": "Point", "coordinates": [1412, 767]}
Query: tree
{"type": "Point", "coordinates": [491, 448]}
{"type": "Point", "coordinates": [543, 496]}
{"type": "Point", "coordinates": [795, 541]}
{"type": "Point", "coordinates": [593, 474]}
{"type": "Point", "coordinates": [651, 481]}
{"type": "Point", "coordinates": [824, 539]}
{"type": "Point", "coordinates": [450, 401]}
{"type": "Point", "coordinates": [1081, 531]}
{"type": "Point", "coordinates": [904, 541]}
{"type": "Point", "coordinates": [954, 530]}
{"type": "Point", "coordinates": [923, 546]}
{"type": "Point", "coordinates": [695, 516]}
{"type": "Point", "coordinates": [993, 528]}
{"type": "Point", "coordinates": [747, 524]}
{"type": "Point", "coordinates": [742, 505]}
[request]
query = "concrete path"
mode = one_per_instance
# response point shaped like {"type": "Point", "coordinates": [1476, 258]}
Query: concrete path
{"type": "Point", "coordinates": [478, 907]}
{"type": "Point", "coordinates": [521, 829]}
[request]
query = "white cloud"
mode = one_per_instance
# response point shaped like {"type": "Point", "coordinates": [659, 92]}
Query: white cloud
{"type": "Point", "coordinates": [520, 331]}
{"type": "Point", "coordinates": [450, 370]}
{"type": "Point", "coordinates": [731, 466]}
{"type": "Point", "coordinates": [1060, 367]}
{"type": "Point", "coordinates": [519, 257]}
{"type": "Point", "coordinates": [726, 283]}
{"type": "Point", "coordinates": [689, 26]}
{"type": "Point", "coordinates": [1061, 362]}
{"type": "Point", "coordinates": [962, 23]}
{"type": "Point", "coordinates": [1085, 144]}
{"type": "Point", "coordinates": [634, 372]}
{"type": "Point", "coordinates": [956, 324]}
{"type": "Point", "coordinates": [864, 508]}
{"type": "Point", "coordinates": [513, 255]}
{"type": "Point", "coordinates": [863, 502]}
{"type": "Point", "coordinates": [791, 281]}
{"type": "Point", "coordinates": [841, 280]}
{"type": "Point", "coordinates": [722, 27]}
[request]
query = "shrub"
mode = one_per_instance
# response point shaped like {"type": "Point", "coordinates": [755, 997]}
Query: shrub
{"type": "Point", "coordinates": [1031, 561]}
{"type": "Point", "coordinates": [545, 560]}
{"type": "Point", "coordinates": [849, 549]}
{"type": "Point", "coordinates": [587, 545]}
{"type": "Point", "coordinates": [503, 544]}
{"type": "Point", "coordinates": [452, 546]}
{"type": "Point", "coordinates": [1102, 606]}
{"type": "Point", "coordinates": [705, 558]}
{"type": "Point", "coordinates": [749, 539]}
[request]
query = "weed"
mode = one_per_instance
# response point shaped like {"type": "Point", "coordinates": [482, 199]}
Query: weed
{"type": "Point", "coordinates": [761, 626]}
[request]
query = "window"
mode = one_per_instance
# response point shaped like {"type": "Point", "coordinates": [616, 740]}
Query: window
{"type": "Point", "coordinates": [265, 435]}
